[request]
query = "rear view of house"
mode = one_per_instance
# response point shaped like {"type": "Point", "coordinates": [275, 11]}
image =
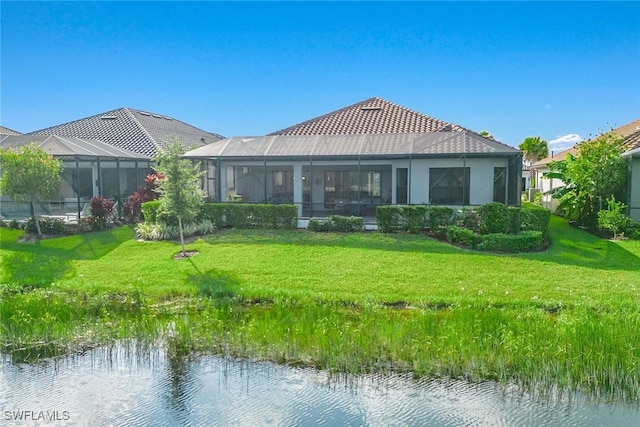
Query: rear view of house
{"type": "Point", "coordinates": [351, 160]}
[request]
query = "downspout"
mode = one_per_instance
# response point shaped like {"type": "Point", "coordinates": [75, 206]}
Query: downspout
{"type": "Point", "coordinates": [218, 182]}
{"type": "Point", "coordinates": [410, 173]}
{"type": "Point", "coordinates": [464, 168]}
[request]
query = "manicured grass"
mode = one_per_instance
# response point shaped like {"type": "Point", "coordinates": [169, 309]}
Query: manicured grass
{"type": "Point", "coordinates": [564, 319]}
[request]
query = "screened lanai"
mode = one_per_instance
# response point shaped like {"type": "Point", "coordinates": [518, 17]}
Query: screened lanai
{"type": "Point", "coordinates": [353, 174]}
{"type": "Point", "coordinates": [91, 168]}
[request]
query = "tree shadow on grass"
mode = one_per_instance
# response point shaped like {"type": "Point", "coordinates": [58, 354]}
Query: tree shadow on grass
{"type": "Point", "coordinates": [41, 262]}
{"type": "Point", "coordinates": [572, 246]}
{"type": "Point", "coordinates": [216, 284]}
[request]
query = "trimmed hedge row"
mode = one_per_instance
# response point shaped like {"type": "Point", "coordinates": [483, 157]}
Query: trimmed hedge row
{"type": "Point", "coordinates": [337, 223]}
{"type": "Point", "coordinates": [234, 215]}
{"type": "Point", "coordinates": [487, 219]}
{"type": "Point", "coordinates": [496, 242]}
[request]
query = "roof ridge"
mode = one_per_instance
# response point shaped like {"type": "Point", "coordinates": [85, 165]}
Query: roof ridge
{"type": "Point", "coordinates": [141, 127]}
{"type": "Point", "coordinates": [74, 121]}
{"type": "Point", "coordinates": [314, 119]}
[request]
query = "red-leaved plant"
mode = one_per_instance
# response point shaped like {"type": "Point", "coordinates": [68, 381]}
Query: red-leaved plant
{"type": "Point", "coordinates": [132, 207]}
{"type": "Point", "coordinates": [101, 210]}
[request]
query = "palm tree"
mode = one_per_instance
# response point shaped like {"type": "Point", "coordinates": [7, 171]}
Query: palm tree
{"type": "Point", "coordinates": [533, 148]}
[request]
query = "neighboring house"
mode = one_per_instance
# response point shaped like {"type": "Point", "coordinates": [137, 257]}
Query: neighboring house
{"type": "Point", "coordinates": [6, 131]}
{"type": "Point", "coordinates": [633, 154]}
{"type": "Point", "coordinates": [356, 158]}
{"type": "Point", "coordinates": [631, 134]}
{"type": "Point", "coordinates": [133, 130]}
{"type": "Point", "coordinates": [91, 168]}
{"type": "Point", "coordinates": [543, 184]}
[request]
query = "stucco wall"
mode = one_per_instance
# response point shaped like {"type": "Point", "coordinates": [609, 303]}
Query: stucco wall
{"type": "Point", "coordinates": [634, 205]}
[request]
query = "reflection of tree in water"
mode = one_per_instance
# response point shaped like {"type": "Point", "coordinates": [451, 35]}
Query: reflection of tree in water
{"type": "Point", "coordinates": [182, 384]}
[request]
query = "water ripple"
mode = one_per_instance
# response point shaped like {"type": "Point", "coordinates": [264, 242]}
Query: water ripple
{"type": "Point", "coordinates": [124, 385]}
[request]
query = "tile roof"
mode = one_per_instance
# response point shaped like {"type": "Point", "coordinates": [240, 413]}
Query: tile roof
{"type": "Point", "coordinates": [373, 115]}
{"type": "Point", "coordinates": [70, 146]}
{"type": "Point", "coordinates": [7, 131]}
{"type": "Point", "coordinates": [427, 144]}
{"type": "Point", "coordinates": [631, 134]}
{"type": "Point", "coordinates": [134, 130]}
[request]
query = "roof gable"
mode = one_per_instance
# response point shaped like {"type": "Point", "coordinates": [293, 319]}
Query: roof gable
{"type": "Point", "coordinates": [7, 131]}
{"type": "Point", "coordinates": [371, 116]}
{"type": "Point", "coordinates": [134, 130]}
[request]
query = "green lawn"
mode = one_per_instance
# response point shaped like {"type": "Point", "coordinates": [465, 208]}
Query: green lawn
{"type": "Point", "coordinates": [564, 317]}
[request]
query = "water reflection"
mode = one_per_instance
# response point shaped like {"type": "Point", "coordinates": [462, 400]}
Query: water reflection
{"type": "Point", "coordinates": [133, 386]}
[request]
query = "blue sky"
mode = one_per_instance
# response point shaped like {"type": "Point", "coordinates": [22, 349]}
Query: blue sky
{"type": "Point", "coordinates": [516, 69]}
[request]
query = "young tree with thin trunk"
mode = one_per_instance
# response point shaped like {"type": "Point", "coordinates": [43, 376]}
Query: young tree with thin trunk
{"type": "Point", "coordinates": [29, 175]}
{"type": "Point", "coordinates": [180, 191]}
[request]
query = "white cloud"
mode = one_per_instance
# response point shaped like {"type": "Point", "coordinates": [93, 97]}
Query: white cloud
{"type": "Point", "coordinates": [563, 142]}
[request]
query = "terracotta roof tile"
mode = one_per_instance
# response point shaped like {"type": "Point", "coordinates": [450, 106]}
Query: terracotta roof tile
{"type": "Point", "coordinates": [371, 116]}
{"type": "Point", "coordinates": [134, 130]}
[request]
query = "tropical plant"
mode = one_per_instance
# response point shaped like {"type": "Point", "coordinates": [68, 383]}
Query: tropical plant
{"type": "Point", "coordinates": [132, 207]}
{"type": "Point", "coordinates": [29, 175]}
{"type": "Point", "coordinates": [534, 148]}
{"type": "Point", "coordinates": [181, 194]}
{"type": "Point", "coordinates": [595, 174]}
{"type": "Point", "coordinates": [613, 218]}
{"type": "Point", "coordinates": [101, 210]}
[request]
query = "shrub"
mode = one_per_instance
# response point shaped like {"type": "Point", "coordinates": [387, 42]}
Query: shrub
{"type": "Point", "coordinates": [132, 209]}
{"type": "Point", "coordinates": [101, 212]}
{"type": "Point", "coordinates": [633, 230]}
{"type": "Point", "coordinates": [337, 223]}
{"type": "Point", "coordinates": [440, 217]}
{"type": "Point", "coordinates": [389, 218]}
{"type": "Point", "coordinates": [535, 218]}
{"type": "Point", "coordinates": [470, 219]}
{"type": "Point", "coordinates": [463, 236]}
{"type": "Point", "coordinates": [514, 224]}
{"type": "Point", "coordinates": [414, 218]}
{"type": "Point", "coordinates": [613, 219]}
{"type": "Point", "coordinates": [512, 243]}
{"type": "Point", "coordinates": [150, 211]}
{"type": "Point", "coordinates": [47, 226]}
{"type": "Point", "coordinates": [493, 218]}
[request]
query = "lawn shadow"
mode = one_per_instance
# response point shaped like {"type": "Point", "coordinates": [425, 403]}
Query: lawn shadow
{"type": "Point", "coordinates": [216, 284]}
{"type": "Point", "coordinates": [41, 262]}
{"type": "Point", "coordinates": [573, 246]}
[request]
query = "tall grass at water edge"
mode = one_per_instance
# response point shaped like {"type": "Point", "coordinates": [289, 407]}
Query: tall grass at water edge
{"type": "Point", "coordinates": [564, 320]}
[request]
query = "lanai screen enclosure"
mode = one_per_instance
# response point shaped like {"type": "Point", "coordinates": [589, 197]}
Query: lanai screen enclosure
{"type": "Point", "coordinates": [91, 168]}
{"type": "Point", "coordinates": [352, 174]}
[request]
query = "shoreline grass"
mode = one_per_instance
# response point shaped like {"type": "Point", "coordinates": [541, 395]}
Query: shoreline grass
{"type": "Point", "coordinates": [565, 319]}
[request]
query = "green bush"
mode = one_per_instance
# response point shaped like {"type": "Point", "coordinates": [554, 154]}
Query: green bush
{"type": "Point", "coordinates": [535, 218]}
{"type": "Point", "coordinates": [470, 219]}
{"type": "Point", "coordinates": [633, 230]}
{"type": "Point", "coordinates": [150, 210]}
{"type": "Point", "coordinates": [493, 218]}
{"type": "Point", "coordinates": [463, 236]}
{"type": "Point", "coordinates": [413, 218]}
{"type": "Point", "coordinates": [440, 217]}
{"type": "Point", "coordinates": [389, 218]}
{"type": "Point", "coordinates": [612, 218]}
{"type": "Point", "coordinates": [337, 223]}
{"type": "Point", "coordinates": [514, 224]}
{"type": "Point", "coordinates": [512, 243]}
{"type": "Point", "coordinates": [246, 215]}
{"type": "Point", "coordinates": [47, 226]}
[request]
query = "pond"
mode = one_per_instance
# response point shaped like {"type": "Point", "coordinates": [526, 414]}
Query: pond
{"type": "Point", "coordinates": [129, 386]}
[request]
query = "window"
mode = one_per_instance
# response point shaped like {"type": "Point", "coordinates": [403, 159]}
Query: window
{"type": "Point", "coordinates": [348, 186]}
{"type": "Point", "coordinates": [282, 186]}
{"type": "Point", "coordinates": [402, 183]}
{"type": "Point", "coordinates": [499, 184]}
{"type": "Point", "coordinates": [449, 186]}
